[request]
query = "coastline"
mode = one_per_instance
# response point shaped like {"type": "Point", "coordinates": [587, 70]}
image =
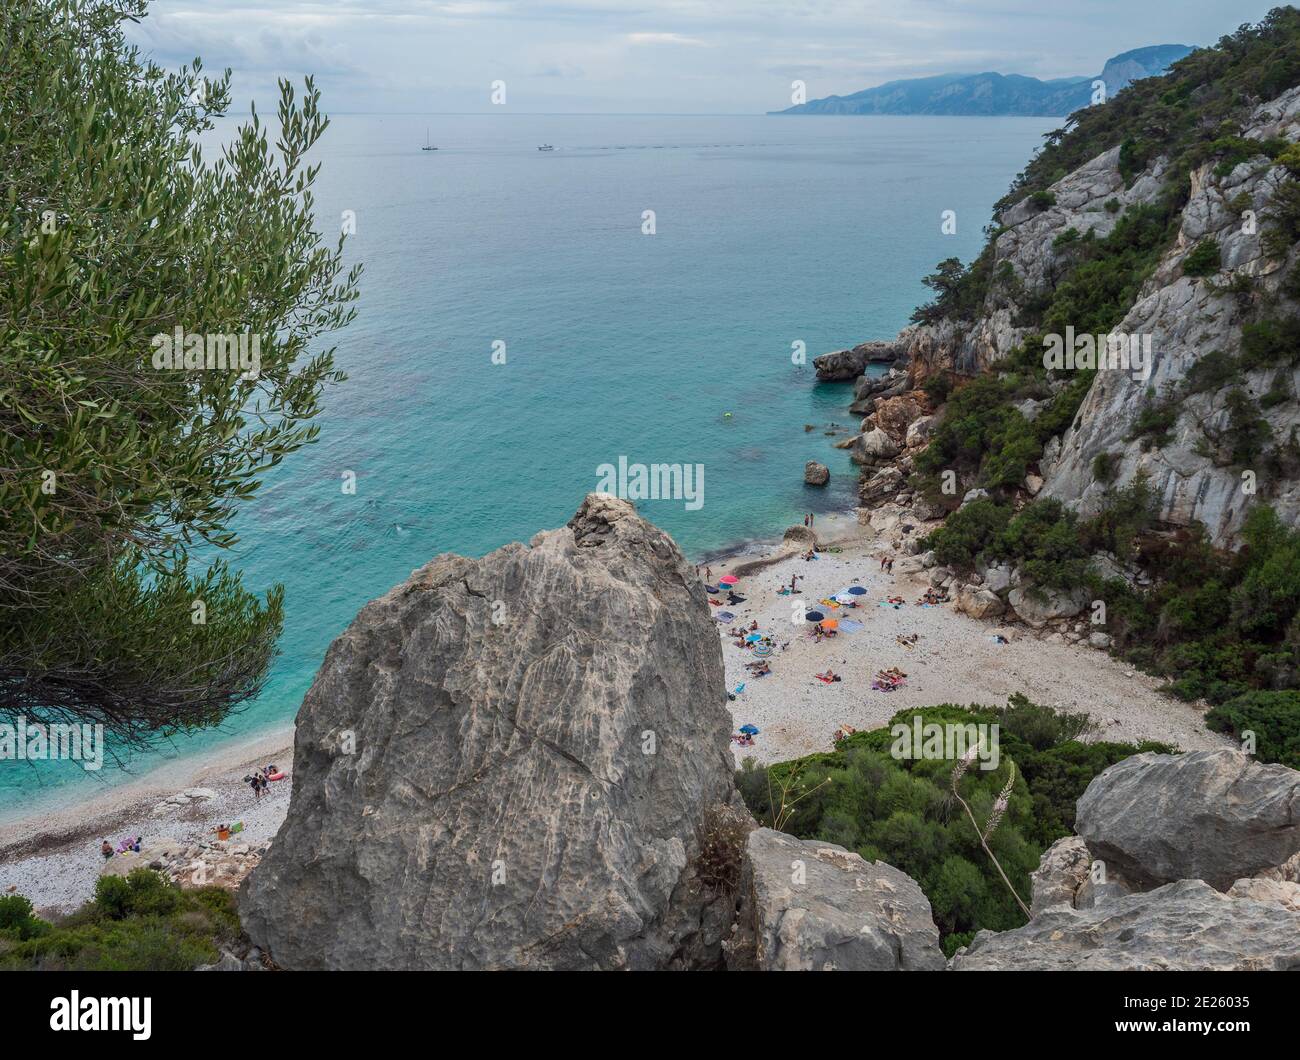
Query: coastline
{"type": "Point", "coordinates": [52, 855]}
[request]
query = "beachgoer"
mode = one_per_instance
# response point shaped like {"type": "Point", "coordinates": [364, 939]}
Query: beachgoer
{"type": "Point", "coordinates": [106, 848]}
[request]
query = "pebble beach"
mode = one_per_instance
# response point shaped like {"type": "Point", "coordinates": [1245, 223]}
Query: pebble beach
{"type": "Point", "coordinates": [53, 857]}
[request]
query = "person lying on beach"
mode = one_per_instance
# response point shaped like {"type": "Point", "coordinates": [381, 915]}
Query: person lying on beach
{"type": "Point", "coordinates": [828, 677]}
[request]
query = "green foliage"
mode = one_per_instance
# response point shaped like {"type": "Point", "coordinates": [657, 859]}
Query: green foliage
{"type": "Point", "coordinates": [140, 923]}
{"type": "Point", "coordinates": [1043, 200]}
{"type": "Point", "coordinates": [1105, 466]}
{"type": "Point", "coordinates": [937, 387]}
{"type": "Point", "coordinates": [115, 229]}
{"type": "Point", "coordinates": [1044, 540]}
{"type": "Point", "coordinates": [1154, 424]}
{"type": "Point", "coordinates": [1217, 626]}
{"type": "Point", "coordinates": [17, 921]}
{"type": "Point", "coordinates": [1211, 373]}
{"type": "Point", "coordinates": [900, 810]}
{"type": "Point", "coordinates": [959, 290]}
{"type": "Point", "coordinates": [1203, 260]}
{"type": "Point", "coordinates": [1265, 343]}
{"type": "Point", "coordinates": [1274, 718]}
{"type": "Point", "coordinates": [968, 532]}
{"type": "Point", "coordinates": [982, 437]}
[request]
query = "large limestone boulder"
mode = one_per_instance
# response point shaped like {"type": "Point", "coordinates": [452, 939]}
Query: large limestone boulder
{"type": "Point", "coordinates": [1036, 606]}
{"type": "Point", "coordinates": [505, 763]}
{"type": "Point", "coordinates": [815, 474]}
{"type": "Point", "coordinates": [979, 603]}
{"type": "Point", "coordinates": [874, 447]}
{"type": "Point", "coordinates": [1216, 816]}
{"type": "Point", "coordinates": [1184, 926]}
{"type": "Point", "coordinates": [813, 906]}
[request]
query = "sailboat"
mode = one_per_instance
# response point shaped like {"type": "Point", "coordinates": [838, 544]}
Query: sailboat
{"type": "Point", "coordinates": [427, 146]}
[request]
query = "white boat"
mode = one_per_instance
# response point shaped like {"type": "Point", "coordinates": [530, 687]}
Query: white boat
{"type": "Point", "coordinates": [546, 147]}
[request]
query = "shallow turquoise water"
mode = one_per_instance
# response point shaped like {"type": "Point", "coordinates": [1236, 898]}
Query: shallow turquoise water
{"type": "Point", "coordinates": [769, 231]}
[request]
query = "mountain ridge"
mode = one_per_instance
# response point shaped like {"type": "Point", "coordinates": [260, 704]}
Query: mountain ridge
{"type": "Point", "coordinates": [990, 93]}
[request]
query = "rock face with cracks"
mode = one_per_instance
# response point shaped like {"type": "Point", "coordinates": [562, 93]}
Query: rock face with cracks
{"type": "Point", "coordinates": [1208, 815]}
{"type": "Point", "coordinates": [505, 763]}
{"type": "Point", "coordinates": [813, 906]}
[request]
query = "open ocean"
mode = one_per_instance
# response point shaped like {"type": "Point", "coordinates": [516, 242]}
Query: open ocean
{"type": "Point", "coordinates": [769, 231]}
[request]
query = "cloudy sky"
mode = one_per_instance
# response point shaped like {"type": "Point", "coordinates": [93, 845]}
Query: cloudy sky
{"type": "Point", "coordinates": [659, 56]}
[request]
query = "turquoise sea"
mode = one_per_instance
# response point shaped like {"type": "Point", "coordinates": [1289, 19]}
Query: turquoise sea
{"type": "Point", "coordinates": [769, 231]}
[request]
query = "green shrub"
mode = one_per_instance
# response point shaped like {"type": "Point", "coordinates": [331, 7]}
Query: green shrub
{"type": "Point", "coordinates": [1105, 466]}
{"type": "Point", "coordinates": [1203, 260]}
{"type": "Point", "coordinates": [1044, 539]}
{"type": "Point", "coordinates": [140, 923]}
{"type": "Point", "coordinates": [1274, 718]}
{"type": "Point", "coordinates": [900, 811]}
{"type": "Point", "coordinates": [1211, 373]}
{"type": "Point", "coordinates": [968, 532]}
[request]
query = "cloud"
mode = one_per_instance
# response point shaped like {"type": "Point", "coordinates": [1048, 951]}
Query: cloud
{"type": "Point", "coordinates": [663, 38]}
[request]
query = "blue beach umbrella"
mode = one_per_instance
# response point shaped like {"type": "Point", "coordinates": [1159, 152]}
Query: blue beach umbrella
{"type": "Point", "coordinates": [856, 590]}
{"type": "Point", "coordinates": [813, 616]}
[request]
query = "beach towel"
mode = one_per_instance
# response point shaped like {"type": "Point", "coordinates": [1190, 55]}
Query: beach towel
{"type": "Point", "coordinates": [847, 625]}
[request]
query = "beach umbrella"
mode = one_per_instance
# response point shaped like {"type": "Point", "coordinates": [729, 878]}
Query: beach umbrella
{"type": "Point", "coordinates": [753, 637]}
{"type": "Point", "coordinates": [728, 579]}
{"type": "Point", "coordinates": [856, 590]}
{"type": "Point", "coordinates": [749, 730]}
{"type": "Point", "coordinates": [762, 650]}
{"type": "Point", "coordinates": [843, 598]}
{"type": "Point", "coordinates": [830, 623]}
{"type": "Point", "coordinates": [814, 616]}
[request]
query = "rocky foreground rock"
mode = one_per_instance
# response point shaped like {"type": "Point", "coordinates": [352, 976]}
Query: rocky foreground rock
{"type": "Point", "coordinates": [813, 906]}
{"type": "Point", "coordinates": [1184, 926]}
{"type": "Point", "coordinates": [505, 763]}
{"type": "Point", "coordinates": [1216, 816]}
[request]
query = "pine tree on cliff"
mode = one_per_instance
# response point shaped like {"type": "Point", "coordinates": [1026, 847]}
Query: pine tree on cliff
{"type": "Point", "coordinates": [119, 243]}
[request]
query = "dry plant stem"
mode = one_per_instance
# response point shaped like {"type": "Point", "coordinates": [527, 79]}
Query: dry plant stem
{"type": "Point", "coordinates": [992, 857]}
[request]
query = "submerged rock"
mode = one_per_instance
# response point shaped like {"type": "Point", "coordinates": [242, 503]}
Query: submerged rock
{"type": "Point", "coordinates": [813, 906]}
{"type": "Point", "coordinates": [505, 763]}
{"type": "Point", "coordinates": [1216, 816]}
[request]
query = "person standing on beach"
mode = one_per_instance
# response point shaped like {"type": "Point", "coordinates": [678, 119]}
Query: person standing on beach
{"type": "Point", "coordinates": [106, 848]}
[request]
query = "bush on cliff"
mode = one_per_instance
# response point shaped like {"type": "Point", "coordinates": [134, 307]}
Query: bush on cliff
{"type": "Point", "coordinates": [901, 811]}
{"type": "Point", "coordinates": [138, 923]}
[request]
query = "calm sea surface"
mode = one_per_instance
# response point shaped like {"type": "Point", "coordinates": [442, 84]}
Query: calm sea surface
{"type": "Point", "coordinates": [770, 231]}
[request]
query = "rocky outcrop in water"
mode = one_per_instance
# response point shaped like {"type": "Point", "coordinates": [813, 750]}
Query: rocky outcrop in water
{"type": "Point", "coordinates": [505, 763]}
{"type": "Point", "coordinates": [813, 906]}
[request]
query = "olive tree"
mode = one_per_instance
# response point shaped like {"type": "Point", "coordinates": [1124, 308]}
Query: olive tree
{"type": "Point", "coordinates": [130, 428]}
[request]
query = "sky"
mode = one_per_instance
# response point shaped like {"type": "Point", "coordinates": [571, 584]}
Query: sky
{"type": "Point", "coordinates": [650, 56]}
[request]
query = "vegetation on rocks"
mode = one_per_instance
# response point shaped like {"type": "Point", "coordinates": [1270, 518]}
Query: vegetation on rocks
{"type": "Point", "coordinates": [141, 922]}
{"type": "Point", "coordinates": [901, 810]}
